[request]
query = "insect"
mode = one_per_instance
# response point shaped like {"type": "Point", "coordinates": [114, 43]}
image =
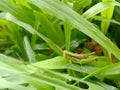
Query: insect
{"type": "Point", "coordinates": [80, 58]}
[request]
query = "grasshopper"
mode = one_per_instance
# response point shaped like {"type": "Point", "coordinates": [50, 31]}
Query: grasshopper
{"type": "Point", "coordinates": [80, 58]}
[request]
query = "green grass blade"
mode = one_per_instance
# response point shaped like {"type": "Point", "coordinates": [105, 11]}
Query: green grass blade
{"type": "Point", "coordinates": [29, 51]}
{"type": "Point", "coordinates": [106, 14]}
{"type": "Point", "coordinates": [54, 63]}
{"type": "Point", "coordinates": [99, 18]}
{"type": "Point", "coordinates": [5, 5]}
{"type": "Point", "coordinates": [36, 26]}
{"type": "Point", "coordinates": [98, 8]}
{"type": "Point", "coordinates": [107, 70]}
{"type": "Point", "coordinates": [68, 30]}
{"type": "Point", "coordinates": [7, 84]}
{"type": "Point", "coordinates": [50, 31]}
{"type": "Point", "coordinates": [81, 4]}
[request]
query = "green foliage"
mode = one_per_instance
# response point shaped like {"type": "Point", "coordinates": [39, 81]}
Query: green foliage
{"type": "Point", "coordinates": [106, 14]}
{"type": "Point", "coordinates": [38, 32]}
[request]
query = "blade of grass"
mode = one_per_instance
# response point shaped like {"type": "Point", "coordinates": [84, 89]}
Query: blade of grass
{"type": "Point", "coordinates": [108, 68]}
{"type": "Point", "coordinates": [97, 8]}
{"type": "Point", "coordinates": [36, 26]}
{"type": "Point", "coordinates": [99, 18]}
{"type": "Point", "coordinates": [7, 84]}
{"type": "Point", "coordinates": [68, 30]}
{"type": "Point", "coordinates": [54, 63]}
{"type": "Point", "coordinates": [79, 5]}
{"type": "Point", "coordinates": [108, 13]}
{"type": "Point", "coordinates": [29, 51]}
{"type": "Point", "coordinates": [5, 5]}
{"type": "Point", "coordinates": [49, 30]}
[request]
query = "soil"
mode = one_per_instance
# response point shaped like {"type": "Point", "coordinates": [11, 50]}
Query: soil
{"type": "Point", "coordinates": [93, 47]}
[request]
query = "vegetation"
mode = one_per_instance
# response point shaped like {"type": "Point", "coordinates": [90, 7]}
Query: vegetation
{"type": "Point", "coordinates": [59, 45]}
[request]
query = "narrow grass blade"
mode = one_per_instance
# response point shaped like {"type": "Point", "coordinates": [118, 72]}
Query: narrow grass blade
{"type": "Point", "coordinates": [50, 31]}
{"type": "Point", "coordinates": [54, 63]}
{"type": "Point", "coordinates": [107, 70]}
{"type": "Point", "coordinates": [29, 51]}
{"type": "Point", "coordinates": [5, 5]}
{"type": "Point", "coordinates": [68, 30]}
{"type": "Point", "coordinates": [7, 84]}
{"type": "Point", "coordinates": [98, 8]}
{"type": "Point", "coordinates": [108, 13]}
{"type": "Point", "coordinates": [99, 18]}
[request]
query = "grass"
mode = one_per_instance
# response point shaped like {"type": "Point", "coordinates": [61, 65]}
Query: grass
{"type": "Point", "coordinates": [39, 33]}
